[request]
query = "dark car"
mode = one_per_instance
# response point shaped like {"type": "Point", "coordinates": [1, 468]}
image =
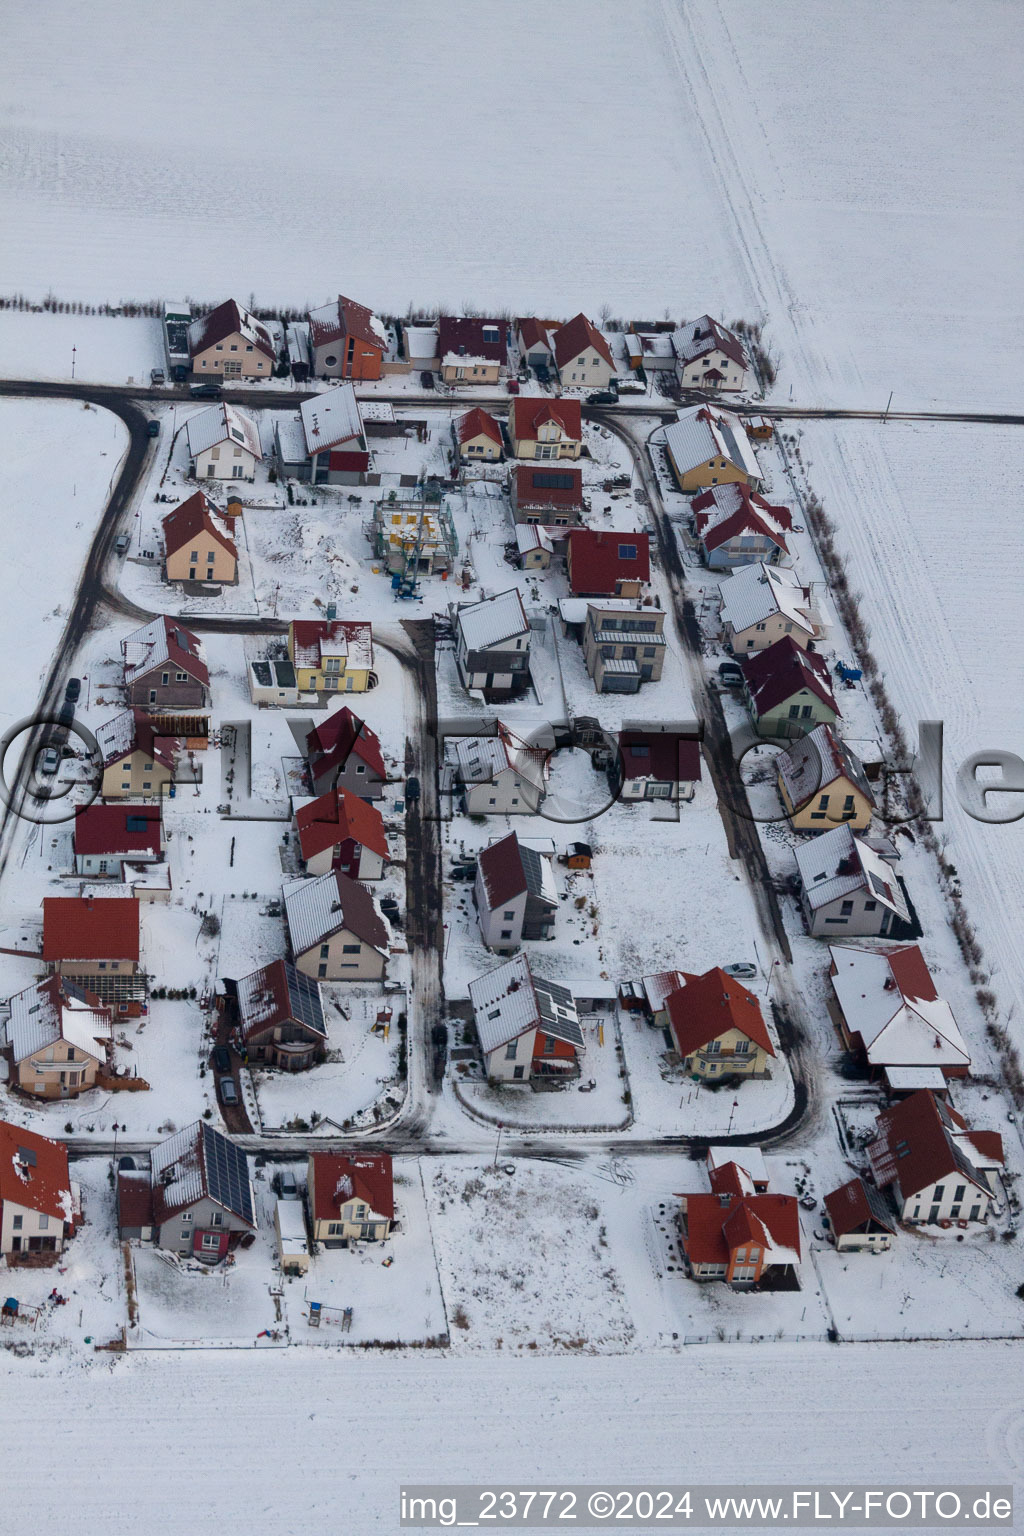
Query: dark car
{"type": "Point", "coordinates": [66, 713]}
{"type": "Point", "coordinates": [427, 379]}
{"type": "Point", "coordinates": [73, 691]}
{"type": "Point", "coordinates": [227, 1090]}
{"type": "Point", "coordinates": [153, 429]}
{"type": "Point", "coordinates": [221, 1058]}
{"type": "Point", "coordinates": [206, 391]}
{"type": "Point", "coordinates": [543, 373]}
{"type": "Point", "coordinates": [466, 871]}
{"type": "Point", "coordinates": [412, 790]}
{"type": "Point", "coordinates": [603, 397]}
{"type": "Point", "coordinates": [730, 674]}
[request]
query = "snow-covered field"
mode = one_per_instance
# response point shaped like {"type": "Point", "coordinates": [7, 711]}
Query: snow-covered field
{"type": "Point", "coordinates": [852, 183]}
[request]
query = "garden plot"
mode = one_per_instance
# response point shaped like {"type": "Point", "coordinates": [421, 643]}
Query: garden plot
{"type": "Point", "coordinates": [357, 1084]}
{"type": "Point", "coordinates": [524, 1262]}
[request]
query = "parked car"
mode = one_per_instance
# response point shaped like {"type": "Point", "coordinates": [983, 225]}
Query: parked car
{"type": "Point", "coordinates": [465, 871]}
{"type": "Point", "coordinates": [206, 391]}
{"type": "Point", "coordinates": [121, 544]}
{"type": "Point", "coordinates": [603, 397]}
{"type": "Point", "coordinates": [543, 373]}
{"type": "Point", "coordinates": [50, 762]}
{"type": "Point", "coordinates": [73, 691]}
{"type": "Point", "coordinates": [222, 1058]}
{"type": "Point", "coordinates": [66, 713]}
{"type": "Point", "coordinates": [228, 1091]}
{"type": "Point", "coordinates": [412, 790]}
{"type": "Point", "coordinates": [743, 970]}
{"type": "Point", "coordinates": [153, 429]}
{"type": "Point", "coordinates": [427, 379]}
{"type": "Point", "coordinates": [287, 1186]}
{"type": "Point", "coordinates": [730, 674]}
{"type": "Point", "coordinates": [513, 386]}
{"type": "Point", "coordinates": [179, 373]}
{"type": "Point", "coordinates": [156, 376]}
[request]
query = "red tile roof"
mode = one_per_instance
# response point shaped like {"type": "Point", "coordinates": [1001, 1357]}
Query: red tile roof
{"type": "Point", "coordinates": [710, 1005]}
{"type": "Point", "coordinates": [134, 1198]}
{"type": "Point", "coordinates": [853, 1205]}
{"type": "Point", "coordinates": [530, 413]}
{"type": "Point", "coordinates": [187, 522]}
{"type": "Point", "coordinates": [90, 928]}
{"type": "Point", "coordinates": [532, 331]}
{"type": "Point", "coordinates": [477, 423]}
{"type": "Point", "coordinates": [774, 675]}
{"type": "Point", "coordinates": [227, 319]}
{"type": "Point", "coordinates": [133, 731]}
{"type": "Point", "coordinates": [352, 320]}
{"type": "Point", "coordinates": [576, 336]}
{"type": "Point", "coordinates": [501, 869]}
{"type": "Point", "coordinates": [705, 335]}
{"type": "Point", "coordinates": [669, 757]}
{"type": "Point", "coordinates": [104, 829]}
{"type": "Point", "coordinates": [41, 1182]}
{"type": "Point", "coordinates": [530, 494]}
{"type": "Point", "coordinates": [717, 1225]}
{"type": "Point", "coordinates": [911, 974]}
{"type": "Point", "coordinates": [337, 817]}
{"type": "Point", "coordinates": [599, 558]}
{"type": "Point", "coordinates": [455, 332]}
{"type": "Point", "coordinates": [746, 511]}
{"type": "Point", "coordinates": [310, 638]}
{"type": "Point", "coordinates": [329, 745]}
{"type": "Point", "coordinates": [364, 1176]}
{"type": "Point", "coordinates": [920, 1142]}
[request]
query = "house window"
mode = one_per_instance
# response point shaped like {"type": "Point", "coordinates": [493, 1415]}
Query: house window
{"type": "Point", "coordinates": [211, 1241]}
{"type": "Point", "coordinates": [508, 916]}
{"type": "Point", "coordinates": [335, 1228]}
{"type": "Point", "coordinates": [17, 1222]}
{"type": "Point", "coordinates": [743, 1047]}
{"type": "Point", "coordinates": [351, 949]}
{"type": "Point", "coordinates": [325, 950]}
{"type": "Point", "coordinates": [217, 1219]}
{"type": "Point", "coordinates": [549, 1045]}
{"type": "Point", "coordinates": [506, 933]}
{"type": "Point", "coordinates": [43, 1223]}
{"type": "Point", "coordinates": [713, 1047]}
{"type": "Point", "coordinates": [846, 908]}
{"type": "Point", "coordinates": [510, 1050]}
{"type": "Point", "coordinates": [165, 678]}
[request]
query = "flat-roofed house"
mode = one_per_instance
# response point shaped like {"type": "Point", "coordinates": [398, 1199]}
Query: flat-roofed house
{"type": "Point", "coordinates": [623, 647]}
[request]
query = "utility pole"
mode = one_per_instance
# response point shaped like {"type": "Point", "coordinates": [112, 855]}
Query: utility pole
{"type": "Point", "coordinates": [497, 1144]}
{"type": "Point", "coordinates": [885, 413]}
{"type": "Point", "coordinates": [73, 351]}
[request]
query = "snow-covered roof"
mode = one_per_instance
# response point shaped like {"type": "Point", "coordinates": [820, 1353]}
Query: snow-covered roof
{"type": "Point", "coordinates": [291, 1224]}
{"type": "Point", "coordinates": [421, 342]}
{"type": "Point", "coordinates": [816, 761]}
{"type": "Point", "coordinates": [163, 642]}
{"type": "Point", "coordinates": [837, 863]}
{"type": "Point", "coordinates": [888, 998]}
{"type": "Point", "coordinates": [314, 639]}
{"type": "Point", "coordinates": [509, 1000]}
{"type": "Point", "coordinates": [702, 433]}
{"type": "Point", "coordinates": [196, 1164]}
{"type": "Point", "coordinates": [319, 907]}
{"type": "Point", "coordinates": [222, 423]}
{"type": "Point", "coordinates": [277, 994]}
{"type": "Point", "coordinates": [229, 319]}
{"type": "Point", "coordinates": [297, 342]}
{"type": "Point", "coordinates": [331, 418]}
{"type": "Point", "coordinates": [481, 758]}
{"type": "Point", "coordinates": [698, 337]}
{"type": "Point", "coordinates": [749, 1159]}
{"type": "Point", "coordinates": [530, 536]}
{"type": "Point", "coordinates": [493, 620]}
{"type": "Point", "coordinates": [758, 592]}
{"type": "Point", "coordinates": [650, 344]}
{"type": "Point", "coordinates": [57, 1010]}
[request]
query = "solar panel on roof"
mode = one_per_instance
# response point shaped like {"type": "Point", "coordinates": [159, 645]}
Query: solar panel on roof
{"type": "Point", "coordinates": [137, 824]}
{"type": "Point", "coordinates": [227, 1174]}
{"type": "Point", "coordinates": [304, 999]}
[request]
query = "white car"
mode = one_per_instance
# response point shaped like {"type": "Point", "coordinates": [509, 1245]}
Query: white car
{"type": "Point", "coordinates": [743, 970]}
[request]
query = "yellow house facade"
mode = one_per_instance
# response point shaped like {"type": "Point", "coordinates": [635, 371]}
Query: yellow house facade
{"type": "Point", "coordinates": [718, 1027]}
{"type": "Point", "coordinates": [331, 656]}
{"type": "Point", "coordinates": [822, 784]}
{"type": "Point", "coordinates": [58, 1071]}
{"type": "Point", "coordinates": [136, 776]}
{"type": "Point", "coordinates": [835, 804]}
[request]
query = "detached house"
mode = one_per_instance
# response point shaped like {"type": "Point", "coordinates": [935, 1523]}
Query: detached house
{"type": "Point", "coordinates": [891, 1017]}
{"type": "Point", "coordinates": [582, 355]}
{"type": "Point", "coordinates": [515, 894]}
{"type": "Point", "coordinates": [607, 564]}
{"type": "Point", "coordinates": [231, 342]}
{"type": "Point", "coordinates": [197, 547]}
{"type": "Point", "coordinates": [279, 1017]}
{"type": "Point", "coordinates": [39, 1206]}
{"type": "Point", "coordinates": [534, 342]}
{"type": "Point", "coordinates": [623, 647]}
{"type": "Point", "coordinates": [223, 444]}
{"type": "Point", "coordinates": [164, 667]}
{"type": "Point", "coordinates": [734, 525]}
{"type": "Point", "coordinates": [343, 751]}
{"type": "Point", "coordinates": [137, 762]}
{"type": "Point", "coordinates": [859, 1218]}
{"type": "Point", "coordinates": [107, 837]}
{"type": "Point", "coordinates": [761, 604]}
{"type": "Point", "coordinates": [788, 690]}
{"type": "Point", "coordinates": [94, 942]}
{"type": "Point", "coordinates": [492, 644]}
{"type": "Point", "coordinates": [718, 1027]}
{"type": "Point", "coordinates": [935, 1167]}
{"type": "Point", "coordinates": [59, 1037]}
{"type": "Point", "coordinates": [849, 887]}
{"type": "Point", "coordinates": [739, 1232]}
{"type": "Point", "coordinates": [351, 1197]}
{"type": "Point", "coordinates": [340, 830]}
{"type": "Point", "coordinates": [822, 784]}
{"type": "Point", "coordinates": [477, 437]}
{"type": "Point", "coordinates": [348, 341]}
{"type": "Point", "coordinates": [708, 447]}
{"type": "Point", "coordinates": [545, 429]}
{"type": "Point", "coordinates": [331, 655]}
{"type": "Point", "coordinates": [550, 497]}
{"type": "Point", "coordinates": [528, 1028]}
{"type": "Point", "coordinates": [500, 775]}
{"type": "Point", "coordinates": [710, 357]}
{"type": "Point", "coordinates": [471, 351]}
{"type": "Point", "coordinates": [325, 444]}
{"type": "Point", "coordinates": [336, 929]}
{"type": "Point", "coordinates": [657, 764]}
{"type": "Point", "coordinates": [201, 1196]}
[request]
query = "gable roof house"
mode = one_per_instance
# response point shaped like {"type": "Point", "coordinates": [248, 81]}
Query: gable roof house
{"type": "Point", "coordinates": [934, 1166]}
{"type": "Point", "coordinates": [223, 444]}
{"type": "Point", "coordinates": [847, 887]}
{"type": "Point", "coordinates": [340, 830]}
{"type": "Point", "coordinates": [822, 784]}
{"type": "Point", "coordinates": [603, 563]}
{"type": "Point", "coordinates": [718, 1027]}
{"type": "Point", "coordinates": [39, 1205]}
{"type": "Point", "coordinates": [202, 1197]}
{"type": "Point", "coordinates": [94, 941]}
{"type": "Point", "coordinates": [740, 1232]}
{"type": "Point", "coordinates": [551, 497]}
{"type": "Point", "coordinates": [534, 342]}
{"type": "Point", "coordinates": [492, 645]}
{"type": "Point", "coordinates": [137, 761]}
{"type": "Point", "coordinates": [471, 350]}
{"type": "Point", "coordinates": [707, 447]}
{"type": "Point", "coordinates": [710, 356]}
{"type": "Point", "coordinates": [515, 894]}
{"type": "Point", "coordinates": [106, 837]}
{"type": "Point", "coordinates": [657, 764]}
{"type": "Point", "coordinates": [535, 546]}
{"type": "Point", "coordinates": [500, 775]}
{"type": "Point", "coordinates": [735, 525]}
{"type": "Point", "coordinates": [336, 929]}
{"type": "Point", "coordinates": [859, 1218]}
{"type": "Point", "coordinates": [331, 655]}
{"type": "Point", "coordinates": [582, 355]}
{"type": "Point", "coordinates": [477, 437]}
{"type": "Point", "coordinates": [351, 1197]}
{"type": "Point", "coordinates": [348, 341]}
{"type": "Point", "coordinates": [527, 1027]}
{"type": "Point", "coordinates": [164, 667]}
{"type": "Point", "coordinates": [788, 690]}
{"type": "Point", "coordinates": [197, 547]}
{"type": "Point", "coordinates": [344, 751]}
{"type": "Point", "coordinates": [623, 645]}
{"type": "Point", "coordinates": [59, 1037]}
{"type": "Point", "coordinates": [762, 604]}
{"type": "Point", "coordinates": [890, 1015]}
{"type": "Point", "coordinates": [279, 1017]}
{"type": "Point", "coordinates": [231, 342]}
{"type": "Point", "coordinates": [540, 428]}
{"type": "Point", "coordinates": [325, 444]}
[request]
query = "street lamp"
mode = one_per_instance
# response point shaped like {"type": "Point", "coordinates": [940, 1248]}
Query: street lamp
{"type": "Point", "coordinates": [735, 1107]}
{"type": "Point", "coordinates": [497, 1144]}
